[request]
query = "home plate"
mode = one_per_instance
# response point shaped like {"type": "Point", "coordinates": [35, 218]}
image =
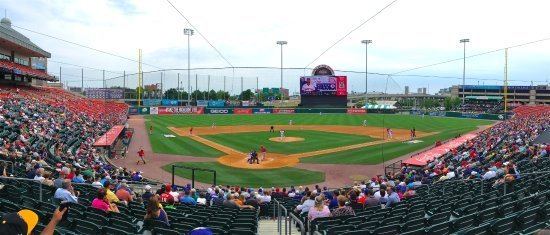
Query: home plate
{"type": "Point", "coordinates": [413, 141]}
{"type": "Point", "coordinates": [169, 136]}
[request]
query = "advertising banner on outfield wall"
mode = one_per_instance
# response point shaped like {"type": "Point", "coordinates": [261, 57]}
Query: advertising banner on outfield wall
{"type": "Point", "coordinates": [219, 111]}
{"type": "Point", "coordinates": [284, 111]}
{"type": "Point", "coordinates": [261, 111]}
{"type": "Point", "coordinates": [167, 102]}
{"type": "Point", "coordinates": [242, 111]}
{"type": "Point", "coordinates": [180, 110]}
{"type": "Point", "coordinates": [133, 111]}
{"type": "Point", "coordinates": [202, 103]}
{"type": "Point", "coordinates": [357, 111]}
{"type": "Point", "coordinates": [216, 103]}
{"type": "Point", "coordinates": [143, 110]}
{"type": "Point", "coordinates": [151, 102]}
{"type": "Point", "coordinates": [154, 110]}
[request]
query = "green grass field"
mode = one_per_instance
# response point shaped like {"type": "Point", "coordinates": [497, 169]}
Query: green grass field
{"type": "Point", "coordinates": [286, 176]}
{"type": "Point", "coordinates": [446, 128]}
{"type": "Point", "coordinates": [313, 140]}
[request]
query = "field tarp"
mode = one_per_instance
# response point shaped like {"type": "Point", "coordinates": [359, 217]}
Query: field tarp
{"type": "Point", "coordinates": [423, 158]}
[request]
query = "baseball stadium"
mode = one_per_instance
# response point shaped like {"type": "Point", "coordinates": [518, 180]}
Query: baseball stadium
{"type": "Point", "coordinates": [169, 117]}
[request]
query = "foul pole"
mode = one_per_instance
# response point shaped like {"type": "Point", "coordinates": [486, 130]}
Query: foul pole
{"type": "Point", "coordinates": [505, 80]}
{"type": "Point", "coordinates": [139, 79]}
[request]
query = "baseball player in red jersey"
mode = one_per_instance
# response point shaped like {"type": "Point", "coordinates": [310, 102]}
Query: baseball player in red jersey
{"type": "Point", "coordinates": [141, 155]}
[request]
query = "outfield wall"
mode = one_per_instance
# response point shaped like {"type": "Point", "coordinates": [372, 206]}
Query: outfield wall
{"type": "Point", "coordinates": [166, 110]}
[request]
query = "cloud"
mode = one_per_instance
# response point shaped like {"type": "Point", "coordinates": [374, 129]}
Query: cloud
{"type": "Point", "coordinates": [406, 35]}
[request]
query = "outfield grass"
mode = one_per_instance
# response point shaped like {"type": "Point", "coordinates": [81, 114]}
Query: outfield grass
{"type": "Point", "coordinates": [447, 128]}
{"type": "Point", "coordinates": [249, 178]}
{"type": "Point", "coordinates": [313, 140]}
{"type": "Point", "coordinates": [179, 145]}
{"type": "Point", "coordinates": [383, 152]}
{"type": "Point", "coordinates": [427, 124]}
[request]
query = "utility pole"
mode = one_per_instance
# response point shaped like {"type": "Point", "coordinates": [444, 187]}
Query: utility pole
{"type": "Point", "coordinates": [366, 42]}
{"type": "Point", "coordinates": [124, 84]}
{"type": "Point", "coordinates": [505, 80]}
{"type": "Point", "coordinates": [60, 76]}
{"type": "Point", "coordinates": [208, 88]}
{"type": "Point", "coordinates": [82, 80]}
{"type": "Point", "coordinates": [464, 41]}
{"type": "Point", "coordinates": [161, 86]}
{"type": "Point", "coordinates": [189, 33]}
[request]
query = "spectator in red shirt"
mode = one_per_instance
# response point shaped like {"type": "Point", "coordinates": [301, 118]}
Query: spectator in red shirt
{"type": "Point", "coordinates": [166, 197]}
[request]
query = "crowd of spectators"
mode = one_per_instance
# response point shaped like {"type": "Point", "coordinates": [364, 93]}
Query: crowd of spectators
{"type": "Point", "coordinates": [42, 134]}
{"type": "Point", "coordinates": [482, 107]}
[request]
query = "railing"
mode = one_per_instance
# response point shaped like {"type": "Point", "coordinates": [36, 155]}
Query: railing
{"type": "Point", "coordinates": [483, 182]}
{"type": "Point", "coordinates": [193, 169]}
{"type": "Point", "coordinates": [277, 213]}
{"type": "Point", "coordinates": [33, 180]}
{"type": "Point", "coordinates": [300, 223]}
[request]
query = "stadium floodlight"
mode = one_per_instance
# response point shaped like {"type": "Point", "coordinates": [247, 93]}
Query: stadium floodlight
{"type": "Point", "coordinates": [282, 43]}
{"type": "Point", "coordinates": [464, 41]}
{"type": "Point", "coordinates": [189, 33]}
{"type": "Point", "coordinates": [366, 42]}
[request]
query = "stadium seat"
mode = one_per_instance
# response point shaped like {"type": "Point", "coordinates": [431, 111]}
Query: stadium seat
{"type": "Point", "coordinates": [86, 227]}
{"type": "Point", "coordinates": [339, 229]}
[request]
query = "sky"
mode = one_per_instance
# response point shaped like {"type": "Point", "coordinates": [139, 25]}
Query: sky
{"type": "Point", "coordinates": [408, 34]}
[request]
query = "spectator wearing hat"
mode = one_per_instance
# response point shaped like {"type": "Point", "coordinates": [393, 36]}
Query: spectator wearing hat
{"type": "Point", "coordinates": [147, 194]}
{"type": "Point", "coordinates": [22, 222]}
{"type": "Point", "coordinates": [167, 197]}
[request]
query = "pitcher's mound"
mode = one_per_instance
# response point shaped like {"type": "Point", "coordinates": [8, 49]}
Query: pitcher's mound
{"type": "Point", "coordinates": [286, 139]}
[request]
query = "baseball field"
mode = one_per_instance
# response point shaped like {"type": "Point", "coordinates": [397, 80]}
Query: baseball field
{"type": "Point", "coordinates": [314, 146]}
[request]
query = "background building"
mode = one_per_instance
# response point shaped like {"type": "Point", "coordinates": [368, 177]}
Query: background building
{"type": "Point", "coordinates": [516, 94]}
{"type": "Point", "coordinates": [21, 61]}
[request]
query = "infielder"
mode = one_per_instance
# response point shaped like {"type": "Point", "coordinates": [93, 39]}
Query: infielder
{"type": "Point", "coordinates": [282, 132]}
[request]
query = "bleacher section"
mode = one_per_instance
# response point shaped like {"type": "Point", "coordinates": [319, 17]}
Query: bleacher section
{"type": "Point", "coordinates": [53, 130]}
{"type": "Point", "coordinates": [15, 68]}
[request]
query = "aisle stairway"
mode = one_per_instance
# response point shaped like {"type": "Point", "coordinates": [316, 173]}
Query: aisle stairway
{"type": "Point", "coordinates": [269, 227]}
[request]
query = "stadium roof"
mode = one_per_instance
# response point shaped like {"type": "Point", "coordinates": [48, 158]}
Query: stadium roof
{"type": "Point", "coordinates": [11, 39]}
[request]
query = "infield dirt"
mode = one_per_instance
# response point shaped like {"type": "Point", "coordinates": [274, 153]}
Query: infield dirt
{"type": "Point", "coordinates": [235, 158]}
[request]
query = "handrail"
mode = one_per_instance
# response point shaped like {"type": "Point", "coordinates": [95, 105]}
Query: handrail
{"type": "Point", "coordinates": [12, 165]}
{"type": "Point", "coordinates": [302, 227]}
{"type": "Point", "coordinates": [25, 179]}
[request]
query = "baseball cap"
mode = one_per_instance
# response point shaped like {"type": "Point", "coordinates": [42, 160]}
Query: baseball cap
{"type": "Point", "coordinates": [147, 187]}
{"type": "Point", "coordinates": [22, 222]}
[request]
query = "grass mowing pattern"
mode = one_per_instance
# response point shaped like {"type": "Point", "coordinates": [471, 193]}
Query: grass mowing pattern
{"type": "Point", "coordinates": [373, 154]}
{"type": "Point", "coordinates": [226, 175]}
{"type": "Point", "coordinates": [448, 128]}
{"type": "Point", "coordinates": [314, 140]}
{"type": "Point", "coordinates": [179, 145]}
